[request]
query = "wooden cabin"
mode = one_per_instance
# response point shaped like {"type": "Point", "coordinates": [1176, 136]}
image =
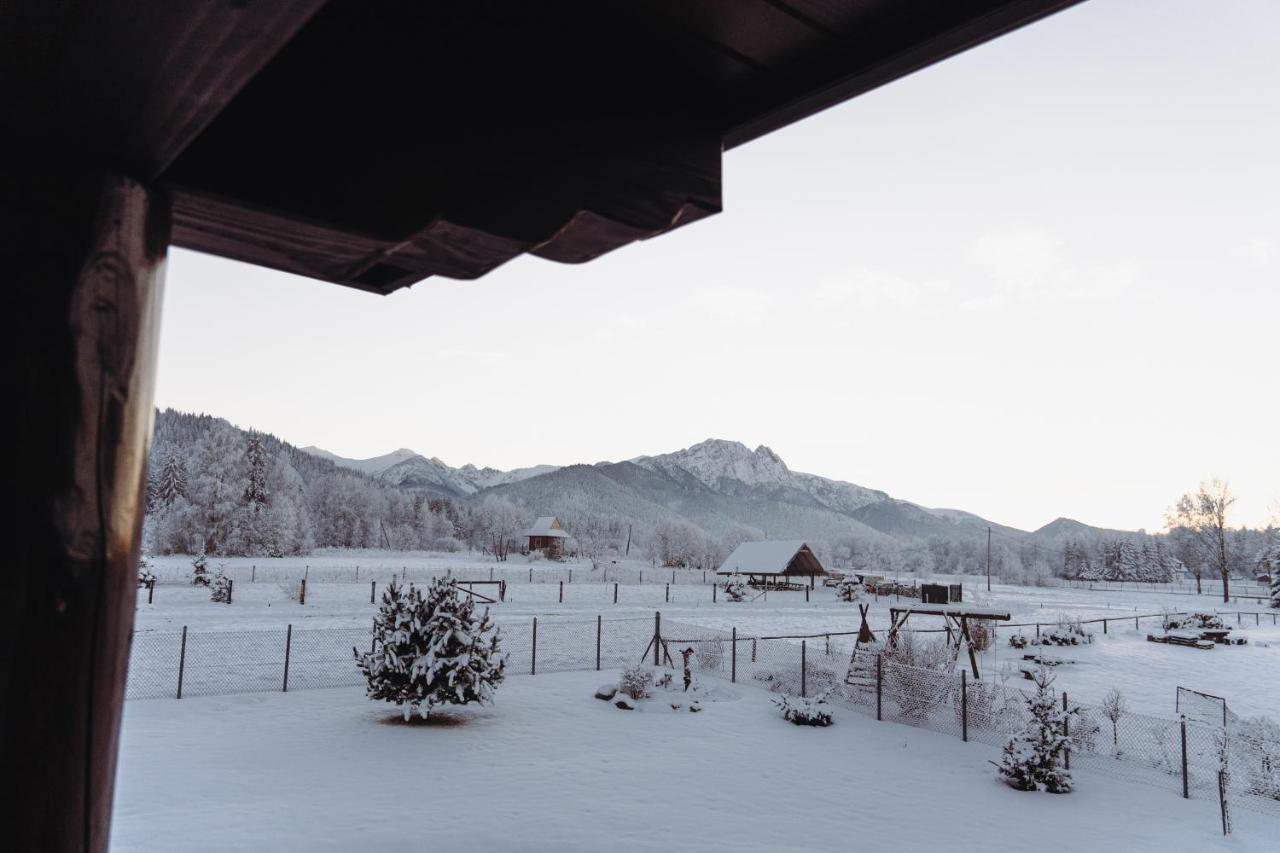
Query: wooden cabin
{"type": "Point", "coordinates": [547, 535]}
{"type": "Point", "coordinates": [774, 564]}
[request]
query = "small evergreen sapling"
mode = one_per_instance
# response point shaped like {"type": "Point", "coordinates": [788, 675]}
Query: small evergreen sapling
{"type": "Point", "coordinates": [200, 570]}
{"type": "Point", "coordinates": [736, 588]}
{"type": "Point", "coordinates": [1033, 759]}
{"type": "Point", "coordinates": [146, 577]}
{"type": "Point", "coordinates": [431, 650]}
{"type": "Point", "coordinates": [221, 589]}
{"type": "Point", "coordinates": [850, 589]}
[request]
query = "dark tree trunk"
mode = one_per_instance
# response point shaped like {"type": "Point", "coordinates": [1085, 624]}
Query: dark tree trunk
{"type": "Point", "coordinates": [85, 255]}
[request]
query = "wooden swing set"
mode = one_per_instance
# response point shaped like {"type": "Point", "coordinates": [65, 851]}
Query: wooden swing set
{"type": "Point", "coordinates": [955, 620]}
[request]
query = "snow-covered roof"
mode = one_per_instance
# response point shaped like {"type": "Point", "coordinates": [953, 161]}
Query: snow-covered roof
{"type": "Point", "coordinates": [768, 557]}
{"type": "Point", "coordinates": [547, 525]}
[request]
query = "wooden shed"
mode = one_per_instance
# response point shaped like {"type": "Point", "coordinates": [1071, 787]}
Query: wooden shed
{"type": "Point", "coordinates": [774, 564]}
{"type": "Point", "coordinates": [546, 534]}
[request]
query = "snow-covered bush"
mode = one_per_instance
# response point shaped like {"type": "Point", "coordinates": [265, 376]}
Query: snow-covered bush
{"type": "Point", "coordinates": [1018, 640]}
{"type": "Point", "coordinates": [431, 650]}
{"type": "Point", "coordinates": [1192, 621]}
{"type": "Point", "coordinates": [736, 588]}
{"type": "Point", "coordinates": [850, 589]}
{"type": "Point", "coordinates": [813, 711]}
{"type": "Point", "coordinates": [146, 577]}
{"type": "Point", "coordinates": [220, 589]}
{"type": "Point", "coordinates": [1034, 759]}
{"type": "Point", "coordinates": [200, 570]}
{"type": "Point", "coordinates": [1069, 631]}
{"type": "Point", "coordinates": [980, 635]}
{"type": "Point", "coordinates": [635, 682]}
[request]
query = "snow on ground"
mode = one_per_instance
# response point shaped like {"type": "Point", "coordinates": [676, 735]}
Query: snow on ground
{"type": "Point", "coordinates": [1248, 676]}
{"type": "Point", "coordinates": [551, 768]}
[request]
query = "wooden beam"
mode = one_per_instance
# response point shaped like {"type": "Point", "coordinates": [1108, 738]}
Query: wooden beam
{"type": "Point", "coordinates": [87, 254]}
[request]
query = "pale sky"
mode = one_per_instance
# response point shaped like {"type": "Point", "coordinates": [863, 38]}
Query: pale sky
{"type": "Point", "coordinates": [1039, 279]}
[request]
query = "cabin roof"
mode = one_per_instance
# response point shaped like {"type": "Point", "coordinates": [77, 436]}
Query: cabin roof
{"type": "Point", "coordinates": [376, 144]}
{"type": "Point", "coordinates": [546, 526]}
{"type": "Point", "coordinates": [770, 557]}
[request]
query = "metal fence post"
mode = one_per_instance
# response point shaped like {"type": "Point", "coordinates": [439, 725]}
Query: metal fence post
{"type": "Point", "coordinates": [615, 593]}
{"type": "Point", "coordinates": [879, 685]}
{"type": "Point", "coordinates": [713, 593]}
{"type": "Point", "coordinates": [182, 660]}
{"type": "Point", "coordinates": [599, 631]}
{"type": "Point", "coordinates": [302, 592]}
{"type": "Point", "coordinates": [288, 649]}
{"type": "Point", "coordinates": [373, 589]}
{"type": "Point", "coordinates": [531, 574]}
{"type": "Point", "coordinates": [533, 663]}
{"type": "Point", "coordinates": [964, 706]}
{"type": "Point", "coordinates": [253, 573]}
{"type": "Point", "coordinates": [657, 638]}
{"type": "Point", "coordinates": [1104, 626]}
{"type": "Point", "coordinates": [733, 665]}
{"type": "Point", "coordinates": [1186, 784]}
{"type": "Point", "coordinates": [562, 592]}
{"type": "Point", "coordinates": [804, 672]}
{"type": "Point", "coordinates": [357, 574]}
{"type": "Point", "coordinates": [667, 599]}
{"type": "Point", "coordinates": [151, 590]}
{"type": "Point", "coordinates": [1222, 802]}
{"type": "Point", "coordinates": [806, 595]}
{"type": "Point", "coordinates": [753, 649]}
{"type": "Point", "coordinates": [231, 585]}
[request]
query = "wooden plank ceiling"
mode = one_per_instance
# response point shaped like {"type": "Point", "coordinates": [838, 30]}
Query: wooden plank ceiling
{"type": "Point", "coordinates": [374, 143]}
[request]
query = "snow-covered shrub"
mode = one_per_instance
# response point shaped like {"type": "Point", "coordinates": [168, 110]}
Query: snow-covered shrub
{"type": "Point", "coordinates": [635, 682]}
{"type": "Point", "coordinates": [1033, 759]}
{"type": "Point", "coordinates": [980, 635]}
{"type": "Point", "coordinates": [850, 589]}
{"type": "Point", "coordinates": [146, 577]}
{"type": "Point", "coordinates": [220, 589]}
{"type": "Point", "coordinates": [1018, 640]}
{"type": "Point", "coordinates": [431, 650]}
{"type": "Point", "coordinates": [813, 711]}
{"type": "Point", "coordinates": [200, 570]}
{"type": "Point", "coordinates": [736, 588]}
{"type": "Point", "coordinates": [1069, 631]}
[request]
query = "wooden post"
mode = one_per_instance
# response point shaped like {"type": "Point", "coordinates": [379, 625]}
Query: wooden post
{"type": "Point", "coordinates": [1066, 732]}
{"type": "Point", "coordinates": [642, 577]}
{"type": "Point", "coordinates": [533, 662]}
{"type": "Point", "coordinates": [357, 574]}
{"type": "Point", "coordinates": [502, 590]}
{"type": "Point", "coordinates": [373, 590]}
{"type": "Point", "coordinates": [231, 585]}
{"type": "Point", "coordinates": [673, 575]}
{"type": "Point", "coordinates": [182, 660]}
{"type": "Point", "coordinates": [806, 595]}
{"type": "Point", "coordinates": [288, 650]}
{"type": "Point", "coordinates": [667, 599]}
{"type": "Point", "coordinates": [733, 655]}
{"type": "Point", "coordinates": [302, 592]}
{"type": "Point", "coordinates": [531, 574]}
{"type": "Point", "coordinates": [1104, 626]}
{"type": "Point", "coordinates": [151, 590]}
{"type": "Point", "coordinates": [599, 631]}
{"type": "Point", "coordinates": [571, 576]}
{"type": "Point", "coordinates": [253, 573]}
{"type": "Point", "coordinates": [1037, 630]}
{"type": "Point", "coordinates": [804, 671]}
{"type": "Point", "coordinates": [84, 257]}
{"type": "Point", "coordinates": [964, 706]}
{"type": "Point", "coordinates": [879, 685]}
{"type": "Point", "coordinates": [562, 592]}
{"type": "Point", "coordinates": [713, 593]}
{"type": "Point", "coordinates": [615, 593]}
{"type": "Point", "coordinates": [657, 637]}
{"type": "Point", "coordinates": [1186, 784]}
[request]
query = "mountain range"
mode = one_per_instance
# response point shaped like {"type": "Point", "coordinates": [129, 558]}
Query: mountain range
{"type": "Point", "coordinates": [716, 484]}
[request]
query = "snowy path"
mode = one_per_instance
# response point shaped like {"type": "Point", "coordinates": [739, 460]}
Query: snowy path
{"type": "Point", "coordinates": [550, 768]}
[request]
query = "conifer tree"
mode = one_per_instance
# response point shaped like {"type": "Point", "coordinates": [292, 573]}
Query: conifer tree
{"type": "Point", "coordinates": [200, 569]}
{"type": "Point", "coordinates": [255, 493]}
{"type": "Point", "coordinates": [172, 483]}
{"type": "Point", "coordinates": [1275, 590]}
{"type": "Point", "coordinates": [735, 588]}
{"type": "Point", "coordinates": [221, 589]}
{"type": "Point", "coordinates": [431, 650]}
{"type": "Point", "coordinates": [850, 589]}
{"type": "Point", "coordinates": [1034, 758]}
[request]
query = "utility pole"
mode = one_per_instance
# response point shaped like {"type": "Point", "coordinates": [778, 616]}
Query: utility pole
{"type": "Point", "coordinates": [988, 559]}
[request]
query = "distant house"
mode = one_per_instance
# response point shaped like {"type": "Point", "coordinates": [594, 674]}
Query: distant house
{"type": "Point", "coordinates": [773, 563]}
{"type": "Point", "coordinates": [547, 535]}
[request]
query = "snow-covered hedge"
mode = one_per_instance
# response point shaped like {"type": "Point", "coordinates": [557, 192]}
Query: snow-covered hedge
{"type": "Point", "coordinates": [813, 711]}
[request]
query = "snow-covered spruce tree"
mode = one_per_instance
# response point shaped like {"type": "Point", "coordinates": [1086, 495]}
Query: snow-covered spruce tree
{"type": "Point", "coordinates": [1275, 590]}
{"type": "Point", "coordinates": [850, 589]}
{"type": "Point", "coordinates": [431, 650]}
{"type": "Point", "coordinates": [146, 577]}
{"type": "Point", "coordinates": [1034, 758]}
{"type": "Point", "coordinates": [255, 492]}
{"type": "Point", "coordinates": [200, 570]}
{"type": "Point", "coordinates": [221, 589]}
{"type": "Point", "coordinates": [172, 482]}
{"type": "Point", "coordinates": [736, 588]}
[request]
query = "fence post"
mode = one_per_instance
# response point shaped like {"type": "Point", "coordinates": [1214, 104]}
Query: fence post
{"type": "Point", "coordinates": [1222, 802]}
{"type": "Point", "coordinates": [828, 650]}
{"type": "Point", "coordinates": [642, 576]}
{"type": "Point", "coordinates": [964, 706]}
{"type": "Point", "coordinates": [1186, 785]}
{"type": "Point", "coordinates": [491, 573]}
{"type": "Point", "coordinates": [373, 588]}
{"type": "Point", "coordinates": [531, 574]}
{"type": "Point", "coordinates": [302, 593]}
{"type": "Point", "coordinates": [562, 592]}
{"type": "Point", "coordinates": [1066, 732]}
{"type": "Point", "coordinates": [806, 595]}
{"type": "Point", "coordinates": [668, 595]}
{"type": "Point", "coordinates": [733, 655]}
{"type": "Point", "coordinates": [253, 573]}
{"type": "Point", "coordinates": [753, 649]}
{"type": "Point", "coordinates": [1037, 630]}
{"type": "Point", "coordinates": [533, 664]}
{"type": "Point", "coordinates": [599, 631]}
{"type": "Point", "coordinates": [1135, 624]}
{"type": "Point", "coordinates": [571, 576]}
{"type": "Point", "coordinates": [657, 638]}
{"type": "Point", "coordinates": [1104, 626]}
{"type": "Point", "coordinates": [804, 672]}
{"type": "Point", "coordinates": [151, 590]}
{"type": "Point", "coordinates": [231, 585]}
{"type": "Point", "coordinates": [182, 660]}
{"type": "Point", "coordinates": [713, 593]}
{"type": "Point", "coordinates": [288, 649]}
{"type": "Point", "coordinates": [615, 593]}
{"type": "Point", "coordinates": [357, 574]}
{"type": "Point", "coordinates": [673, 575]}
{"type": "Point", "coordinates": [879, 684]}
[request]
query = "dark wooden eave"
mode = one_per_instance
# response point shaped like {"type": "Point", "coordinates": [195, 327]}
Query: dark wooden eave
{"type": "Point", "coordinates": [374, 143]}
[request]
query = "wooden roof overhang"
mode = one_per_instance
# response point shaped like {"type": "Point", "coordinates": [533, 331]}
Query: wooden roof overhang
{"type": "Point", "coordinates": [374, 143]}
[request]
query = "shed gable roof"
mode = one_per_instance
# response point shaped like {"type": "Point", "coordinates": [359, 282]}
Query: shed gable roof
{"type": "Point", "coordinates": [769, 557]}
{"type": "Point", "coordinates": [547, 525]}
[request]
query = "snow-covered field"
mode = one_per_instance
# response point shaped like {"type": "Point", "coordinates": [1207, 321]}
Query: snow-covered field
{"type": "Point", "coordinates": [550, 768]}
{"type": "Point", "coordinates": [1248, 676]}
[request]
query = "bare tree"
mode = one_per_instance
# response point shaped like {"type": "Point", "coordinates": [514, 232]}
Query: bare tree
{"type": "Point", "coordinates": [1114, 707]}
{"type": "Point", "coordinates": [1200, 520]}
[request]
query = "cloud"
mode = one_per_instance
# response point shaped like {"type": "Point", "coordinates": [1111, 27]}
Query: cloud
{"type": "Point", "coordinates": [1028, 264]}
{"type": "Point", "coordinates": [869, 290]}
{"type": "Point", "coordinates": [733, 304]}
{"type": "Point", "coordinates": [1019, 256]}
{"type": "Point", "coordinates": [477, 357]}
